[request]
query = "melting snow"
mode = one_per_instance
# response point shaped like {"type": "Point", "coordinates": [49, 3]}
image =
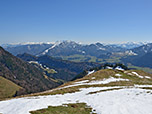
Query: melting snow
{"type": "Point", "coordinates": [109, 67]}
{"type": "Point", "coordinates": [119, 68]}
{"type": "Point", "coordinates": [130, 52]}
{"type": "Point", "coordinates": [104, 81]}
{"type": "Point", "coordinates": [93, 78]}
{"type": "Point", "coordinates": [123, 101]}
{"type": "Point", "coordinates": [90, 72]}
{"type": "Point", "coordinates": [137, 74]}
{"type": "Point", "coordinates": [118, 75]}
{"type": "Point", "coordinates": [143, 85]}
{"type": "Point", "coordinates": [147, 77]}
{"type": "Point", "coordinates": [36, 62]}
{"type": "Point", "coordinates": [81, 82]}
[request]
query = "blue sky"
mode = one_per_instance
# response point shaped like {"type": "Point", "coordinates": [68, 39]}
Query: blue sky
{"type": "Point", "coordinates": [78, 20]}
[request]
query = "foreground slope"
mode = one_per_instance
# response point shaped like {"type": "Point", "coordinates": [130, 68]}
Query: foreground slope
{"type": "Point", "coordinates": [7, 88]}
{"type": "Point", "coordinates": [106, 91]}
{"type": "Point", "coordinates": [23, 74]}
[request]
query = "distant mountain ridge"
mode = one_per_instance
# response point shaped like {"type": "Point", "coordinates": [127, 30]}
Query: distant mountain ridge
{"type": "Point", "coordinates": [96, 52]}
{"type": "Point", "coordinates": [144, 49]}
{"type": "Point", "coordinates": [129, 45]}
{"type": "Point", "coordinates": [64, 48]}
{"type": "Point", "coordinates": [33, 49]}
{"type": "Point", "coordinates": [142, 57]}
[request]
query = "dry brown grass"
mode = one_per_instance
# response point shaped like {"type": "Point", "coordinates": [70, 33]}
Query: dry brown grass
{"type": "Point", "coordinates": [99, 75]}
{"type": "Point", "coordinates": [7, 88]}
{"type": "Point", "coordinates": [104, 90]}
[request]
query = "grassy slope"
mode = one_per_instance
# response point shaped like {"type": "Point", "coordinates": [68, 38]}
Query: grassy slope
{"type": "Point", "coordinates": [146, 69]}
{"type": "Point", "coordinates": [80, 108]}
{"type": "Point", "coordinates": [103, 74]}
{"type": "Point", "coordinates": [97, 76]}
{"type": "Point", "coordinates": [7, 88]}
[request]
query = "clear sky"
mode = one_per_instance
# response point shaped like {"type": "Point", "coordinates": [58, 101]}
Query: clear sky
{"type": "Point", "coordinates": [78, 20]}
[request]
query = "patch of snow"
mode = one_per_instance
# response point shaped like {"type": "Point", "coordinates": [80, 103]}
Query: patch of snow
{"type": "Point", "coordinates": [83, 52]}
{"type": "Point", "coordinates": [137, 75]}
{"type": "Point", "coordinates": [147, 77]}
{"type": "Point", "coordinates": [124, 101]}
{"type": "Point", "coordinates": [102, 48]}
{"type": "Point", "coordinates": [119, 68]}
{"type": "Point", "coordinates": [129, 73]}
{"type": "Point", "coordinates": [130, 52]}
{"type": "Point", "coordinates": [84, 82]}
{"type": "Point", "coordinates": [106, 81]}
{"type": "Point", "coordinates": [107, 67]}
{"type": "Point", "coordinates": [93, 78]}
{"type": "Point", "coordinates": [29, 48]}
{"type": "Point", "coordinates": [142, 85]}
{"type": "Point", "coordinates": [81, 82]}
{"type": "Point", "coordinates": [35, 62]}
{"type": "Point", "coordinates": [118, 75]}
{"type": "Point", "coordinates": [90, 72]}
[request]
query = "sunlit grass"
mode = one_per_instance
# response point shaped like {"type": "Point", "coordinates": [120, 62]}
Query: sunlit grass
{"type": "Point", "coordinates": [77, 108]}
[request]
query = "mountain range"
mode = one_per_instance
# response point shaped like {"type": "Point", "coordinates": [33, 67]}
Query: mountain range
{"type": "Point", "coordinates": [142, 56]}
{"type": "Point", "coordinates": [101, 53]}
{"type": "Point", "coordinates": [66, 48]}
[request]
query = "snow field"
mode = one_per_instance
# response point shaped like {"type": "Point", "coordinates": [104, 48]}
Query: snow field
{"type": "Point", "coordinates": [104, 81]}
{"type": "Point", "coordinates": [123, 101]}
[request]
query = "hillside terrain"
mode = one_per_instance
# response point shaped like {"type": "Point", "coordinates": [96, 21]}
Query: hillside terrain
{"type": "Point", "coordinates": [23, 74]}
{"type": "Point", "coordinates": [141, 58]}
{"type": "Point", "coordinates": [64, 70]}
{"type": "Point", "coordinates": [33, 49]}
{"type": "Point", "coordinates": [104, 91]}
{"type": "Point", "coordinates": [7, 88]}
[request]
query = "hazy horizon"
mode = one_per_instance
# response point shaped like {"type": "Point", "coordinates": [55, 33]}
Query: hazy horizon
{"type": "Point", "coordinates": [24, 43]}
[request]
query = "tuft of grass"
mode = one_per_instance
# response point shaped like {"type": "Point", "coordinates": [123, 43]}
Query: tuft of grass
{"type": "Point", "coordinates": [7, 88]}
{"type": "Point", "coordinates": [104, 90]}
{"type": "Point", "coordinates": [62, 91]}
{"type": "Point", "coordinates": [77, 108]}
{"type": "Point", "coordinates": [146, 88]}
